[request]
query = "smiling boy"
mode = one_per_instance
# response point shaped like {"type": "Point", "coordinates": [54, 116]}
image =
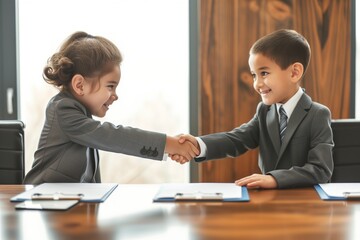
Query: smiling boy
{"type": "Point", "coordinates": [299, 156]}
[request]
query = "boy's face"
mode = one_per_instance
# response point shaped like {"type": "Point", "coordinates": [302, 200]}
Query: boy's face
{"type": "Point", "coordinates": [98, 99]}
{"type": "Point", "coordinates": [272, 83]}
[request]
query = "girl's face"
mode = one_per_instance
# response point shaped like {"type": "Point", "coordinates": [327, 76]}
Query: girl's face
{"type": "Point", "coordinates": [98, 99]}
{"type": "Point", "coordinates": [272, 83]}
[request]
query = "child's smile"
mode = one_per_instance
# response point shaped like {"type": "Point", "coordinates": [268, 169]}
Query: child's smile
{"type": "Point", "coordinates": [274, 84]}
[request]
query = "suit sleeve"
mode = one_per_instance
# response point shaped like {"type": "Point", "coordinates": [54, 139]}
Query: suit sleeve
{"type": "Point", "coordinates": [106, 136]}
{"type": "Point", "coordinates": [319, 164]}
{"type": "Point", "coordinates": [233, 143]}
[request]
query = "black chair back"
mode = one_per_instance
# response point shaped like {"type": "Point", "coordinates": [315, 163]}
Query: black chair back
{"type": "Point", "coordinates": [346, 152]}
{"type": "Point", "coordinates": [12, 152]}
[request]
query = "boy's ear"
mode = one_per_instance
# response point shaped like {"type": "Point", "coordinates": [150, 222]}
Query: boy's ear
{"type": "Point", "coordinates": [77, 84]}
{"type": "Point", "coordinates": [297, 71]}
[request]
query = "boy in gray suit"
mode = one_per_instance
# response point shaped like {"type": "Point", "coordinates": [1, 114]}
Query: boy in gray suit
{"type": "Point", "coordinates": [292, 132]}
{"type": "Point", "coordinates": [86, 70]}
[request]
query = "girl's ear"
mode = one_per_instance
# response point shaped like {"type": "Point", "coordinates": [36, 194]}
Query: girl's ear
{"type": "Point", "coordinates": [77, 84]}
{"type": "Point", "coordinates": [297, 71]}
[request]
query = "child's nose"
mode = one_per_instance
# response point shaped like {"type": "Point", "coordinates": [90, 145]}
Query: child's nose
{"type": "Point", "coordinates": [115, 97]}
{"type": "Point", "coordinates": [258, 82]}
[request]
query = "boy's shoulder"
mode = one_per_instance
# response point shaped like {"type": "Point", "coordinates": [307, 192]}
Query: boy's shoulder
{"type": "Point", "coordinates": [308, 103]}
{"type": "Point", "coordinates": [319, 105]}
{"type": "Point", "coordinates": [315, 109]}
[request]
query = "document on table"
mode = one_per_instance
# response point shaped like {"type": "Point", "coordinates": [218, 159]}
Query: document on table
{"type": "Point", "coordinates": [227, 192]}
{"type": "Point", "coordinates": [84, 192]}
{"type": "Point", "coordinates": [46, 205]}
{"type": "Point", "coordinates": [338, 191]}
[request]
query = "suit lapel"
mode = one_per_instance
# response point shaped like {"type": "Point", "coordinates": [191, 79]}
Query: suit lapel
{"type": "Point", "coordinates": [300, 111]}
{"type": "Point", "coordinates": [273, 127]}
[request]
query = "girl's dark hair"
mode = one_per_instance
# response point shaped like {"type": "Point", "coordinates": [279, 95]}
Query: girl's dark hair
{"type": "Point", "coordinates": [81, 53]}
{"type": "Point", "coordinates": [285, 47]}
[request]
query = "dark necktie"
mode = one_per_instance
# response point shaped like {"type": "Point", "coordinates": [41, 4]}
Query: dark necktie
{"type": "Point", "coordinates": [283, 122]}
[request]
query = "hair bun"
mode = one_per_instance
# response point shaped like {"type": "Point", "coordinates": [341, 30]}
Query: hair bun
{"type": "Point", "coordinates": [66, 66]}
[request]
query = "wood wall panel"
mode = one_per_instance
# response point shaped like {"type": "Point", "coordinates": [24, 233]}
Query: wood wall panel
{"type": "Point", "coordinates": [228, 28]}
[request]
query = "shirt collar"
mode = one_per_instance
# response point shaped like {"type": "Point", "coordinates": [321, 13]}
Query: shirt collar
{"type": "Point", "coordinates": [290, 105]}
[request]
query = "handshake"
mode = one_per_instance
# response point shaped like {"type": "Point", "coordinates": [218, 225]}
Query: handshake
{"type": "Point", "coordinates": [185, 147]}
{"type": "Point", "coordinates": [182, 148]}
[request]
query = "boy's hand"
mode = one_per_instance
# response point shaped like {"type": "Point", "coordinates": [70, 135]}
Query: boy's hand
{"type": "Point", "coordinates": [257, 181]}
{"type": "Point", "coordinates": [183, 139]}
{"type": "Point", "coordinates": [185, 150]}
{"type": "Point", "coordinates": [190, 138]}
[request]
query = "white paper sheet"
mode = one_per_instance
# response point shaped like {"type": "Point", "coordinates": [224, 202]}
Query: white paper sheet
{"type": "Point", "coordinates": [227, 190]}
{"type": "Point", "coordinates": [340, 189]}
{"type": "Point", "coordinates": [91, 192]}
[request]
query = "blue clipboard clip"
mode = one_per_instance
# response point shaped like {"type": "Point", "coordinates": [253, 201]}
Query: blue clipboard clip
{"type": "Point", "coordinates": [56, 196]}
{"type": "Point", "coordinates": [352, 195]}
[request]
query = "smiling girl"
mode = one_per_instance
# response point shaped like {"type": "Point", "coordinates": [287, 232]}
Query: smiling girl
{"type": "Point", "coordinates": [86, 70]}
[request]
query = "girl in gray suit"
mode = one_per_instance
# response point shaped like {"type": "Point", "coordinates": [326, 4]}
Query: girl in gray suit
{"type": "Point", "coordinates": [292, 132]}
{"type": "Point", "coordinates": [86, 70]}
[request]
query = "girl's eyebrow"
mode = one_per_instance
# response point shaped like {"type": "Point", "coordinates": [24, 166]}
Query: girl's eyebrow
{"type": "Point", "coordinates": [113, 82]}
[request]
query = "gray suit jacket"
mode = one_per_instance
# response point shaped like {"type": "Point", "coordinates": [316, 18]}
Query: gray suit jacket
{"type": "Point", "coordinates": [303, 159]}
{"type": "Point", "coordinates": [67, 150]}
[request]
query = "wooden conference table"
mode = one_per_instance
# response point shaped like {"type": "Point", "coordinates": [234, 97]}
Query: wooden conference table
{"type": "Point", "coordinates": [129, 213]}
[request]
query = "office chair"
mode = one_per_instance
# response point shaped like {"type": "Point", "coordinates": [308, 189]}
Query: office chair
{"type": "Point", "coordinates": [12, 155]}
{"type": "Point", "coordinates": [346, 151]}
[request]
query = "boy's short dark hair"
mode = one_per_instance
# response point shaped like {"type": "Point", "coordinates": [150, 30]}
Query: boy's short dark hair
{"type": "Point", "coordinates": [285, 47]}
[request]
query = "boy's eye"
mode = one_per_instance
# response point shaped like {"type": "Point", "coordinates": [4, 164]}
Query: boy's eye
{"type": "Point", "coordinates": [264, 74]}
{"type": "Point", "coordinates": [111, 87]}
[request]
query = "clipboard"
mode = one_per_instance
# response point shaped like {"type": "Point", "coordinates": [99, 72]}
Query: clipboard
{"type": "Point", "coordinates": [342, 191]}
{"type": "Point", "coordinates": [83, 192]}
{"type": "Point", "coordinates": [222, 192]}
{"type": "Point", "coordinates": [46, 205]}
